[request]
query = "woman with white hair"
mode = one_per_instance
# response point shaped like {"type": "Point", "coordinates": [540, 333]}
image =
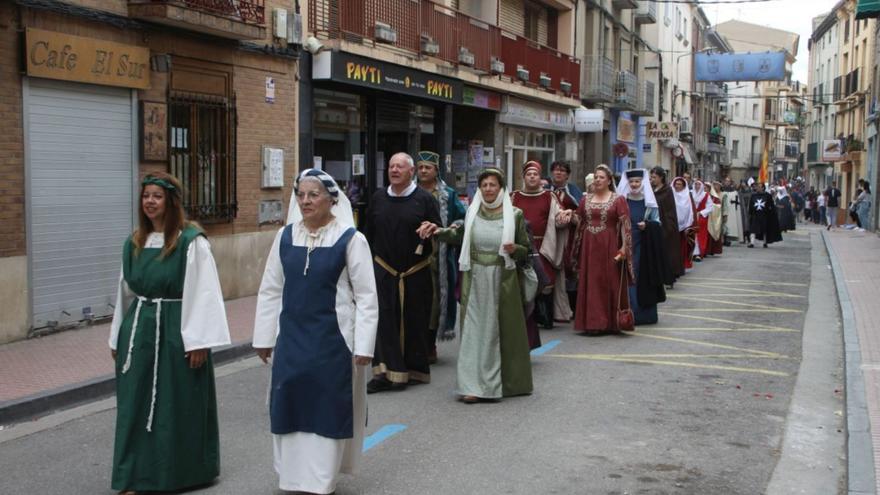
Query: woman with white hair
{"type": "Point", "coordinates": [317, 310]}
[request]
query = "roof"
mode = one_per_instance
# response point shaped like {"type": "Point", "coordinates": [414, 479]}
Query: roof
{"type": "Point", "coordinates": [748, 37]}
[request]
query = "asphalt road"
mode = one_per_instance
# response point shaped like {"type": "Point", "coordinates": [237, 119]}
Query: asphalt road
{"type": "Point", "coordinates": [698, 404]}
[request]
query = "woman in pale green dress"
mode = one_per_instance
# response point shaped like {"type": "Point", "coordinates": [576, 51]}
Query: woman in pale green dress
{"type": "Point", "coordinates": [493, 360]}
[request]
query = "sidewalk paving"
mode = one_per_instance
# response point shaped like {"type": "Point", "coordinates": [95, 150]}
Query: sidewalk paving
{"type": "Point", "coordinates": [46, 373]}
{"type": "Point", "coordinates": [857, 272]}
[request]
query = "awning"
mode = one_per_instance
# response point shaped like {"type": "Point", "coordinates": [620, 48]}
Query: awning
{"type": "Point", "coordinates": [867, 9]}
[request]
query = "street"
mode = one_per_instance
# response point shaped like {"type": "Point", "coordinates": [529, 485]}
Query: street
{"type": "Point", "coordinates": [697, 404]}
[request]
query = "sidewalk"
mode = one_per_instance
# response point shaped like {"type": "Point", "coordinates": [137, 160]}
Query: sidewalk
{"type": "Point", "coordinates": [53, 372]}
{"type": "Point", "coordinates": [856, 265]}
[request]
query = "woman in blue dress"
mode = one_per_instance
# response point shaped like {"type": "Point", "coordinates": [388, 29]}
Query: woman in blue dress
{"type": "Point", "coordinates": [642, 210]}
{"type": "Point", "coordinates": [317, 309]}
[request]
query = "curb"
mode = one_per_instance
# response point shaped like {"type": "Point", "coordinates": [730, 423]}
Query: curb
{"type": "Point", "coordinates": [860, 451]}
{"type": "Point", "coordinates": [50, 401]}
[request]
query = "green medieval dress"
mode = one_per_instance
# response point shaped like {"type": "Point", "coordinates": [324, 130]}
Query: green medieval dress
{"type": "Point", "coordinates": [493, 360]}
{"type": "Point", "coordinates": [166, 424]}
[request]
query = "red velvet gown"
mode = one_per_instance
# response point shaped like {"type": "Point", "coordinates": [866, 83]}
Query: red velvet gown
{"type": "Point", "coordinates": [703, 227]}
{"type": "Point", "coordinates": [603, 233]}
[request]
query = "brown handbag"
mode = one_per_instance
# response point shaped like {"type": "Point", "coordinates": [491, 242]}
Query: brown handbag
{"type": "Point", "coordinates": [626, 320]}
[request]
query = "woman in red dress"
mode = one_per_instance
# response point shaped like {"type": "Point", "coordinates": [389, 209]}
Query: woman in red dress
{"type": "Point", "coordinates": [685, 210]}
{"type": "Point", "coordinates": [704, 208]}
{"type": "Point", "coordinates": [602, 249]}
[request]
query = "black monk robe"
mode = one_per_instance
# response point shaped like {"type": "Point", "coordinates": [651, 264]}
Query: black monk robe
{"type": "Point", "coordinates": [763, 221]}
{"type": "Point", "coordinates": [402, 339]}
{"type": "Point", "coordinates": [671, 236]}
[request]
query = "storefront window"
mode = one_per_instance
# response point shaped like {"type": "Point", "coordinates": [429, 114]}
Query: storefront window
{"type": "Point", "coordinates": [339, 141]}
{"type": "Point", "coordinates": [540, 147]}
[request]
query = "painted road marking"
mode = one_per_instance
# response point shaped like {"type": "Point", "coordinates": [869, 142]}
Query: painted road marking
{"type": "Point", "coordinates": [759, 371]}
{"type": "Point", "coordinates": [771, 309]}
{"type": "Point", "coordinates": [680, 296]}
{"type": "Point", "coordinates": [756, 292]}
{"type": "Point", "coordinates": [708, 344]}
{"type": "Point", "coordinates": [721, 320]}
{"type": "Point", "coordinates": [382, 434]}
{"type": "Point", "coordinates": [546, 347]}
{"type": "Point", "coordinates": [713, 329]}
{"type": "Point", "coordinates": [684, 356]}
{"type": "Point", "coordinates": [729, 310]}
{"type": "Point", "coordinates": [736, 281]}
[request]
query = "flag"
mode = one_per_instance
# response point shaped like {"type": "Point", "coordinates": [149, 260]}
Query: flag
{"type": "Point", "coordinates": [762, 173]}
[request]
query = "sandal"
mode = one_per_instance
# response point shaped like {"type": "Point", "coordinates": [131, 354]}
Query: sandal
{"type": "Point", "coordinates": [469, 399]}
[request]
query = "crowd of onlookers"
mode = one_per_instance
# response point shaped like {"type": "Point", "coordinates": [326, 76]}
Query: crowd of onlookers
{"type": "Point", "coordinates": [821, 207]}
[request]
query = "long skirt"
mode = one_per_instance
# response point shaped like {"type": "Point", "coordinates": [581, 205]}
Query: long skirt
{"type": "Point", "coordinates": [686, 251]}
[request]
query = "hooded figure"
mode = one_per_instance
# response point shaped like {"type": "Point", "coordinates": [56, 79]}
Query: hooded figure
{"type": "Point", "coordinates": [784, 209]}
{"type": "Point", "coordinates": [763, 219]}
{"type": "Point", "coordinates": [649, 262]}
{"type": "Point", "coordinates": [686, 213]}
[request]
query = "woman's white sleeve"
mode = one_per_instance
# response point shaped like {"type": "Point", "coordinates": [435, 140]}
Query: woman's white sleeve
{"type": "Point", "coordinates": [363, 285]}
{"type": "Point", "coordinates": [269, 298]}
{"type": "Point", "coordinates": [203, 315]}
{"type": "Point", "coordinates": [124, 298]}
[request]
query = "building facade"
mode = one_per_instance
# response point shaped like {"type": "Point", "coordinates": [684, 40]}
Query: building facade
{"type": "Point", "coordinates": [96, 95]}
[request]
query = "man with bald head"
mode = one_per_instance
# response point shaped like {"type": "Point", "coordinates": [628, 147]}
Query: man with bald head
{"type": "Point", "coordinates": [402, 260]}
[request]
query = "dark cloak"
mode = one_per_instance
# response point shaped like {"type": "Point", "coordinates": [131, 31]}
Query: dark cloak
{"type": "Point", "coordinates": [763, 220]}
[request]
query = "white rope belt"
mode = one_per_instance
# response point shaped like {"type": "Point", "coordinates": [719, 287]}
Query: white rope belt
{"type": "Point", "coordinates": [137, 313]}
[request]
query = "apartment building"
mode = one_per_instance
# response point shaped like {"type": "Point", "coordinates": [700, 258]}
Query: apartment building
{"type": "Point", "coordinates": [96, 94]}
{"type": "Point", "coordinates": [822, 113]}
{"type": "Point", "coordinates": [479, 82]}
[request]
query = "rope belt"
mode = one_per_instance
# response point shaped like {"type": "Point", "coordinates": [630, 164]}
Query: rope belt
{"type": "Point", "coordinates": [401, 286]}
{"type": "Point", "coordinates": [125, 367]}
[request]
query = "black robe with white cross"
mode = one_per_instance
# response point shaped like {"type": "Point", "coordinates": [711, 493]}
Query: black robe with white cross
{"type": "Point", "coordinates": [763, 221]}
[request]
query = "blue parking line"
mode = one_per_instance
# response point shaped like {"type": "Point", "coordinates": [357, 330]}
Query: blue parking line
{"type": "Point", "coordinates": [546, 347]}
{"type": "Point", "coordinates": [384, 433]}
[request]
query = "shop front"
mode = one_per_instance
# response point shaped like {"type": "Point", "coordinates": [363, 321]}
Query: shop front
{"type": "Point", "coordinates": [533, 131]}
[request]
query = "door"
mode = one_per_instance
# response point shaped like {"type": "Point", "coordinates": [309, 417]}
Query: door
{"type": "Point", "coordinates": [79, 157]}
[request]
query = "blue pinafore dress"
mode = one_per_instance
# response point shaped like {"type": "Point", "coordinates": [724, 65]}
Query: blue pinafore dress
{"type": "Point", "coordinates": [312, 369]}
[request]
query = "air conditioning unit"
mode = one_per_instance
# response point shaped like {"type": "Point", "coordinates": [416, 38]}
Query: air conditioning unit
{"type": "Point", "coordinates": [429, 46]}
{"type": "Point", "coordinates": [496, 66]}
{"type": "Point", "coordinates": [684, 126]}
{"type": "Point", "coordinates": [465, 57]}
{"type": "Point", "coordinates": [279, 21]}
{"type": "Point", "coordinates": [545, 80]}
{"type": "Point", "coordinates": [565, 86]}
{"type": "Point", "coordinates": [385, 33]}
{"type": "Point", "coordinates": [294, 29]}
{"type": "Point", "coordinates": [522, 73]}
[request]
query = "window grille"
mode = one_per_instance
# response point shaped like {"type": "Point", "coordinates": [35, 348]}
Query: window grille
{"type": "Point", "coordinates": [202, 143]}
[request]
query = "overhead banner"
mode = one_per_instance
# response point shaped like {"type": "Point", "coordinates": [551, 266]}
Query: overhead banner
{"type": "Point", "coordinates": [730, 67]}
{"type": "Point", "coordinates": [661, 130]}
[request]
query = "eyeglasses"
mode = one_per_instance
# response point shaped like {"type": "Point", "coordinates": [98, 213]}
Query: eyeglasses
{"type": "Point", "coordinates": [313, 195]}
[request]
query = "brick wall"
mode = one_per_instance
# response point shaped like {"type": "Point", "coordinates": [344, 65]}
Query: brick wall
{"type": "Point", "coordinates": [12, 227]}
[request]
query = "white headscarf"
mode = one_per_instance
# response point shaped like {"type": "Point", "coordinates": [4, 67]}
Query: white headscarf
{"type": "Point", "coordinates": [341, 210]}
{"type": "Point", "coordinates": [781, 192]}
{"type": "Point", "coordinates": [507, 232]}
{"type": "Point", "coordinates": [699, 193]}
{"type": "Point", "coordinates": [683, 207]}
{"type": "Point", "coordinates": [624, 189]}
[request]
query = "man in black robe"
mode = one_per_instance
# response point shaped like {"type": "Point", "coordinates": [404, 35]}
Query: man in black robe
{"type": "Point", "coordinates": [745, 199]}
{"type": "Point", "coordinates": [669, 224]}
{"type": "Point", "coordinates": [402, 260]}
{"type": "Point", "coordinates": [763, 221]}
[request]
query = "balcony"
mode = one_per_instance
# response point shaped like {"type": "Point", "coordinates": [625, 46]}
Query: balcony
{"type": "Point", "coordinates": [598, 79]}
{"type": "Point", "coordinates": [813, 152]}
{"type": "Point", "coordinates": [231, 19]}
{"type": "Point", "coordinates": [493, 50]}
{"type": "Point", "coordinates": [837, 91]}
{"type": "Point", "coordinates": [626, 91]}
{"type": "Point", "coordinates": [717, 91]}
{"type": "Point", "coordinates": [624, 4]}
{"type": "Point", "coordinates": [645, 106]}
{"type": "Point", "coordinates": [716, 143]}
{"type": "Point", "coordinates": [646, 13]}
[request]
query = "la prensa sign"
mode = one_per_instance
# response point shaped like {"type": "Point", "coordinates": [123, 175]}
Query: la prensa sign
{"type": "Point", "coordinates": [661, 130]}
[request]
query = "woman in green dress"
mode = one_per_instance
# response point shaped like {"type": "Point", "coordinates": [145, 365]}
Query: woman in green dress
{"type": "Point", "coordinates": [493, 359]}
{"type": "Point", "coordinates": [169, 314]}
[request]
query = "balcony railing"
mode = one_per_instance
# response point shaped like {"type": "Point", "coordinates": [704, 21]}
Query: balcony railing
{"type": "Point", "coordinates": [646, 13]}
{"type": "Point", "coordinates": [626, 91]}
{"type": "Point", "coordinates": [716, 143]}
{"type": "Point", "coordinates": [448, 31]}
{"type": "Point", "coordinates": [837, 90]}
{"type": "Point", "coordinates": [598, 79]}
{"type": "Point", "coordinates": [235, 19]}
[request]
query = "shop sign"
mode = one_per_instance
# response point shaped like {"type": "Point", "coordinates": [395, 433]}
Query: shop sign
{"type": "Point", "coordinates": [626, 129]}
{"type": "Point", "coordinates": [832, 150]}
{"type": "Point", "coordinates": [481, 98]}
{"type": "Point", "coordinates": [587, 120]}
{"type": "Point", "coordinates": [75, 58]}
{"type": "Point", "coordinates": [521, 112]}
{"type": "Point", "coordinates": [370, 73]}
{"type": "Point", "coordinates": [661, 130]}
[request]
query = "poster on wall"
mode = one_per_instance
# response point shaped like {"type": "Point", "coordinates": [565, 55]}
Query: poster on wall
{"type": "Point", "coordinates": [154, 121]}
{"type": "Point", "coordinates": [626, 129]}
{"type": "Point", "coordinates": [270, 89]}
{"type": "Point", "coordinates": [357, 165]}
{"type": "Point", "coordinates": [832, 150]}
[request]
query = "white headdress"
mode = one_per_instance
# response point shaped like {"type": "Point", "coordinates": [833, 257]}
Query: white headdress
{"type": "Point", "coordinates": [341, 209]}
{"type": "Point", "coordinates": [624, 189]}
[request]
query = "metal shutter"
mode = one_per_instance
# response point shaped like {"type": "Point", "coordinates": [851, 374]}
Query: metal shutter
{"type": "Point", "coordinates": [80, 188]}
